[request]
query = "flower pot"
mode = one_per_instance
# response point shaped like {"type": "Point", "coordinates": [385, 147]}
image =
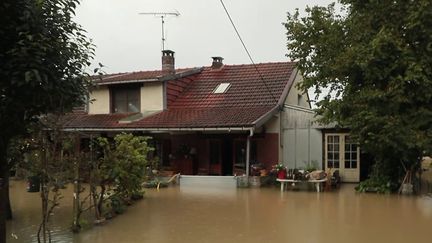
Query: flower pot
{"type": "Point", "coordinates": [282, 174]}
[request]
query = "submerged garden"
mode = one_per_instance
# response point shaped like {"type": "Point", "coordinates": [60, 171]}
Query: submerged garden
{"type": "Point", "coordinates": [107, 174]}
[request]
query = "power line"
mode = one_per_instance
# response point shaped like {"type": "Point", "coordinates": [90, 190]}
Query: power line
{"type": "Point", "coordinates": [247, 51]}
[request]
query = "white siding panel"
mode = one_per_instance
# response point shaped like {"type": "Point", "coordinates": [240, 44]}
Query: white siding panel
{"type": "Point", "coordinates": [300, 148]}
{"type": "Point", "coordinates": [302, 141]}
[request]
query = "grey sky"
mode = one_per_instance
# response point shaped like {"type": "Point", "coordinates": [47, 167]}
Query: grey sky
{"type": "Point", "coordinates": [127, 41]}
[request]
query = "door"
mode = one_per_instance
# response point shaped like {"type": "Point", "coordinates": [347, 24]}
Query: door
{"type": "Point", "coordinates": [343, 154]}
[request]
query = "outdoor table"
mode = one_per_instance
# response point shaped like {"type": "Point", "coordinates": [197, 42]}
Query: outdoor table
{"type": "Point", "coordinates": [317, 182]}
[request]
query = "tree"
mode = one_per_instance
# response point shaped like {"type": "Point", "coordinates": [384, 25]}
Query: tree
{"type": "Point", "coordinates": [42, 57]}
{"type": "Point", "coordinates": [116, 170]}
{"type": "Point", "coordinates": [121, 167]}
{"type": "Point", "coordinates": [50, 154]}
{"type": "Point", "coordinates": [373, 65]}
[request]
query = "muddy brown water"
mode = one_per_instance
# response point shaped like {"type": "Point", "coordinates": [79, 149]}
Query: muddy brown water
{"type": "Point", "coordinates": [202, 214]}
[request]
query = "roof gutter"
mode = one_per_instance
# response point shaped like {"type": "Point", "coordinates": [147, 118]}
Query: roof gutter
{"type": "Point", "coordinates": [156, 79]}
{"type": "Point", "coordinates": [280, 105]}
{"type": "Point", "coordinates": [179, 129]}
{"type": "Point", "coordinates": [126, 81]}
{"type": "Point", "coordinates": [299, 108]}
{"type": "Point", "coordinates": [181, 75]}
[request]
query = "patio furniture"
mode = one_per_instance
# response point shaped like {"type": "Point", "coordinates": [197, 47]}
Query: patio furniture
{"type": "Point", "coordinates": [316, 182]}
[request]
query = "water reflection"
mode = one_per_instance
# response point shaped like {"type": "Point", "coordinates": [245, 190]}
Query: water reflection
{"type": "Point", "coordinates": [202, 214]}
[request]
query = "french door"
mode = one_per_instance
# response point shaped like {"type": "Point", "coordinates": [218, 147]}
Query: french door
{"type": "Point", "coordinates": [343, 154]}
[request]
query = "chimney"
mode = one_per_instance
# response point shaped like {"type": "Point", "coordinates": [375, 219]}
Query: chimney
{"type": "Point", "coordinates": [217, 62]}
{"type": "Point", "coordinates": [168, 62]}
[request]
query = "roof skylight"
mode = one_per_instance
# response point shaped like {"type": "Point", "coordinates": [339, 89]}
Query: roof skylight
{"type": "Point", "coordinates": [222, 88]}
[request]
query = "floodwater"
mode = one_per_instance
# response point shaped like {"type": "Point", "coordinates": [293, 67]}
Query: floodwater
{"type": "Point", "coordinates": [210, 214]}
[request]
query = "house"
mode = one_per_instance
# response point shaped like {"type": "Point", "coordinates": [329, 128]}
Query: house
{"type": "Point", "coordinates": [213, 120]}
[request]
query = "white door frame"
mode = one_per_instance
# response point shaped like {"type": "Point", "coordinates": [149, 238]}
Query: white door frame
{"type": "Point", "coordinates": [339, 157]}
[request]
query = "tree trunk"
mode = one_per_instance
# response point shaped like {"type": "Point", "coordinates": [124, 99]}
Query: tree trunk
{"type": "Point", "coordinates": [5, 209]}
{"type": "Point", "coordinates": [94, 198]}
{"type": "Point", "coordinates": [76, 202]}
{"type": "Point", "coordinates": [101, 199]}
{"type": "Point", "coordinates": [3, 204]}
{"type": "Point", "coordinates": [8, 204]}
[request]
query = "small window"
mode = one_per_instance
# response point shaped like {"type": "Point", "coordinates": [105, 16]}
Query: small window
{"type": "Point", "coordinates": [222, 88]}
{"type": "Point", "coordinates": [299, 99]}
{"type": "Point", "coordinates": [125, 100]}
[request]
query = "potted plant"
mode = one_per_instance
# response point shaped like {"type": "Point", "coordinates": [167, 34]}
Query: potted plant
{"type": "Point", "coordinates": [280, 170]}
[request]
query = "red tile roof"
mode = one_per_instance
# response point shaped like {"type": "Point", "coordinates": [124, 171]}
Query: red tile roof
{"type": "Point", "coordinates": [203, 118]}
{"type": "Point", "coordinates": [82, 120]}
{"type": "Point", "coordinates": [133, 76]}
{"type": "Point", "coordinates": [247, 89]}
{"type": "Point", "coordinates": [192, 104]}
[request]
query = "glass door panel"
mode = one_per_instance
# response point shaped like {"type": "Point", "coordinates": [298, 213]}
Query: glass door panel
{"type": "Point", "coordinates": [333, 151]}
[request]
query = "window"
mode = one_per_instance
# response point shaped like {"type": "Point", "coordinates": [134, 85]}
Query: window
{"type": "Point", "coordinates": [222, 88]}
{"type": "Point", "coordinates": [333, 151]}
{"type": "Point", "coordinates": [125, 100]}
{"type": "Point", "coordinates": [350, 153]}
{"type": "Point", "coordinates": [299, 99]}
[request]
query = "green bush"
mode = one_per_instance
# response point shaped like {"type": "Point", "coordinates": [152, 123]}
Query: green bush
{"type": "Point", "coordinates": [383, 179]}
{"type": "Point", "coordinates": [121, 168]}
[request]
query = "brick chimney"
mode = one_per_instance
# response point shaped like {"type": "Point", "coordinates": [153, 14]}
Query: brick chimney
{"type": "Point", "coordinates": [168, 62]}
{"type": "Point", "coordinates": [217, 62]}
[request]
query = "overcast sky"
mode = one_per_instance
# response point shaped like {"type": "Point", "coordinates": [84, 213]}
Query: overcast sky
{"type": "Point", "coordinates": [126, 41]}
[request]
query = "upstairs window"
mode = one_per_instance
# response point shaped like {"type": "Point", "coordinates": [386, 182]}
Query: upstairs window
{"type": "Point", "coordinates": [222, 88]}
{"type": "Point", "coordinates": [125, 100]}
{"type": "Point", "coordinates": [299, 99]}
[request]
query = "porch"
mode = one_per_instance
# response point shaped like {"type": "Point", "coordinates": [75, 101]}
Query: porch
{"type": "Point", "coordinates": [220, 154]}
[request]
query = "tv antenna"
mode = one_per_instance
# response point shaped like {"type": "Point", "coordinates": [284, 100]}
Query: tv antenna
{"type": "Point", "coordinates": [162, 15]}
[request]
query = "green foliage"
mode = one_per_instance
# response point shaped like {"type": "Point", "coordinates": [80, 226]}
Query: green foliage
{"type": "Point", "coordinates": [43, 56]}
{"type": "Point", "coordinates": [382, 179]}
{"type": "Point", "coordinates": [378, 185]}
{"type": "Point", "coordinates": [117, 204]}
{"type": "Point", "coordinates": [84, 224]}
{"type": "Point", "coordinates": [373, 66]}
{"type": "Point", "coordinates": [48, 152]}
{"type": "Point", "coordinates": [312, 166]}
{"type": "Point", "coordinates": [121, 167]}
{"type": "Point", "coordinates": [49, 155]}
{"type": "Point", "coordinates": [131, 155]}
{"type": "Point", "coordinates": [154, 183]}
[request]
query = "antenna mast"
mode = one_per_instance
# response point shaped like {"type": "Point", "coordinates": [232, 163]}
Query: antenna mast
{"type": "Point", "coordinates": [162, 15]}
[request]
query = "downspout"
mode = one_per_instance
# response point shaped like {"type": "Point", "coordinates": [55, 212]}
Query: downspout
{"type": "Point", "coordinates": [251, 133]}
{"type": "Point", "coordinates": [309, 143]}
{"type": "Point", "coordinates": [281, 136]}
{"type": "Point", "coordinates": [295, 144]}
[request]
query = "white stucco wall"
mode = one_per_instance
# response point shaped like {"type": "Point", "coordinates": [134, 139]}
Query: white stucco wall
{"type": "Point", "coordinates": [99, 101]}
{"type": "Point", "coordinates": [293, 95]}
{"type": "Point", "coordinates": [152, 98]}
